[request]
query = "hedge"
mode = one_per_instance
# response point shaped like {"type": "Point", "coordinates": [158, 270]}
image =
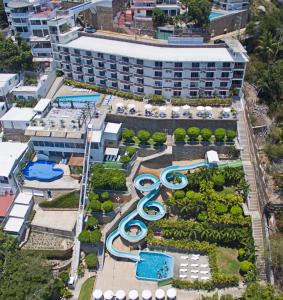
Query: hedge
{"type": "Point", "coordinates": [216, 102]}
{"type": "Point", "coordinates": [102, 90]}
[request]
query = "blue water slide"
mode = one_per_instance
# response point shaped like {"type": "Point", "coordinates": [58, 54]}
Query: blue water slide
{"type": "Point", "coordinates": [140, 181]}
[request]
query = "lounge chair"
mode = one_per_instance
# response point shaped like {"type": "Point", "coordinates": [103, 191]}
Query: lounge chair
{"type": "Point", "coordinates": [184, 265]}
{"type": "Point", "coordinates": [204, 272]}
{"type": "Point", "coordinates": [204, 265]}
{"type": "Point", "coordinates": [195, 258]}
{"type": "Point", "coordinates": [184, 256]}
{"type": "Point", "coordinates": [204, 278]}
{"type": "Point", "coordinates": [183, 270]}
{"type": "Point", "coordinates": [194, 265]}
{"type": "Point", "coordinates": [183, 276]}
{"type": "Point", "coordinates": [194, 276]}
{"type": "Point", "coordinates": [194, 271]}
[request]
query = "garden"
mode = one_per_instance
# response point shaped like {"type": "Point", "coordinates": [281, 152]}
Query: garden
{"type": "Point", "coordinates": [143, 138]}
{"type": "Point", "coordinates": [207, 217]}
{"type": "Point", "coordinates": [69, 200]}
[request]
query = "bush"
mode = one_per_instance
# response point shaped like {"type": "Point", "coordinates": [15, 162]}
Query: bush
{"type": "Point", "coordinates": [241, 254]}
{"type": "Point", "coordinates": [245, 266]}
{"type": "Point", "coordinates": [104, 196]}
{"type": "Point", "coordinates": [125, 159]}
{"type": "Point", "coordinates": [95, 205]}
{"type": "Point", "coordinates": [193, 133]}
{"type": "Point", "coordinates": [156, 99]}
{"type": "Point", "coordinates": [159, 137]}
{"type": "Point", "coordinates": [91, 261]}
{"type": "Point", "coordinates": [107, 206]}
{"type": "Point", "coordinates": [128, 135]}
{"type": "Point", "coordinates": [221, 208]}
{"type": "Point", "coordinates": [236, 210]}
{"type": "Point", "coordinates": [92, 222]}
{"type": "Point", "coordinates": [84, 236]}
{"type": "Point", "coordinates": [180, 134]}
{"type": "Point", "coordinates": [215, 102]}
{"type": "Point", "coordinates": [218, 181]}
{"type": "Point", "coordinates": [93, 196]}
{"type": "Point", "coordinates": [206, 134]}
{"type": "Point", "coordinates": [230, 135]}
{"type": "Point", "coordinates": [131, 151]}
{"type": "Point", "coordinates": [94, 236]}
{"type": "Point", "coordinates": [202, 216]}
{"type": "Point", "coordinates": [220, 134]}
{"type": "Point", "coordinates": [179, 194]}
{"type": "Point", "coordinates": [143, 136]}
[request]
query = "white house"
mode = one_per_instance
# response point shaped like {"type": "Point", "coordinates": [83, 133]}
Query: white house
{"type": "Point", "coordinates": [11, 154]}
{"type": "Point", "coordinates": [15, 226]}
{"type": "Point", "coordinates": [17, 118]}
{"type": "Point", "coordinates": [7, 83]}
{"type": "Point", "coordinates": [42, 107]}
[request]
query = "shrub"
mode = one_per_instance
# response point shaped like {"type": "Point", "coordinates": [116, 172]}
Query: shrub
{"type": "Point", "coordinates": [236, 210]}
{"type": "Point", "coordinates": [94, 236]}
{"type": "Point", "coordinates": [143, 136]}
{"type": "Point", "coordinates": [193, 133]}
{"type": "Point", "coordinates": [104, 196]}
{"type": "Point", "coordinates": [202, 216]}
{"type": "Point", "coordinates": [107, 206]}
{"type": "Point", "coordinates": [95, 205]}
{"type": "Point", "coordinates": [93, 196]}
{"type": "Point", "coordinates": [218, 181]}
{"type": "Point", "coordinates": [92, 222]}
{"type": "Point", "coordinates": [180, 134]}
{"type": "Point", "coordinates": [179, 194]}
{"type": "Point", "coordinates": [230, 135]}
{"type": "Point", "coordinates": [159, 137]}
{"type": "Point", "coordinates": [131, 151]}
{"type": "Point", "coordinates": [128, 135]}
{"type": "Point", "coordinates": [91, 261]}
{"type": "Point", "coordinates": [84, 236]}
{"type": "Point", "coordinates": [125, 159]}
{"type": "Point", "coordinates": [241, 254]}
{"type": "Point", "coordinates": [206, 134]}
{"type": "Point", "coordinates": [245, 266]}
{"type": "Point", "coordinates": [156, 99]}
{"type": "Point", "coordinates": [220, 134]}
{"type": "Point", "coordinates": [221, 208]}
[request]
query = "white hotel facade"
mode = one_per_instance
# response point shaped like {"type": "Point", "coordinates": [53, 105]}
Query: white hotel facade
{"type": "Point", "coordinates": [143, 68]}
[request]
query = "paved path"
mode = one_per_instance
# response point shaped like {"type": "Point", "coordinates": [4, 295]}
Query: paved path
{"type": "Point", "coordinates": [55, 87]}
{"type": "Point", "coordinates": [253, 197]}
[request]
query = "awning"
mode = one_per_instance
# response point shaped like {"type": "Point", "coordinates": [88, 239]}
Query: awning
{"type": "Point", "coordinates": [212, 157]}
{"type": "Point", "coordinates": [111, 151]}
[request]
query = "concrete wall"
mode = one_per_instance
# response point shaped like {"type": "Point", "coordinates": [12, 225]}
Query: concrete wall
{"type": "Point", "coordinates": [230, 22]}
{"type": "Point", "coordinates": [152, 125]}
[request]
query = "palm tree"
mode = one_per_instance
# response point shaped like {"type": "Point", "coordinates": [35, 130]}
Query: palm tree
{"type": "Point", "coordinates": [267, 46]}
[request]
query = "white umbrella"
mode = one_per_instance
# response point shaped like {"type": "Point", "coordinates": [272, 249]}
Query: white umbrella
{"type": "Point", "coordinates": [227, 110]}
{"type": "Point", "coordinates": [120, 295]}
{"type": "Point", "coordinates": [146, 294]}
{"type": "Point", "coordinates": [159, 294]}
{"type": "Point", "coordinates": [176, 109]}
{"type": "Point", "coordinates": [133, 295]}
{"type": "Point", "coordinates": [200, 108]}
{"type": "Point", "coordinates": [162, 108]}
{"type": "Point", "coordinates": [148, 106]}
{"type": "Point", "coordinates": [208, 108]}
{"type": "Point", "coordinates": [186, 107]}
{"type": "Point", "coordinates": [108, 295]}
{"type": "Point", "coordinates": [131, 106]}
{"type": "Point", "coordinates": [119, 104]}
{"type": "Point", "coordinates": [97, 294]}
{"type": "Point", "coordinates": [171, 293]}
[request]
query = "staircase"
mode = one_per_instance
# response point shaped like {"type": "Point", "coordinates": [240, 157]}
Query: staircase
{"type": "Point", "coordinates": [253, 200]}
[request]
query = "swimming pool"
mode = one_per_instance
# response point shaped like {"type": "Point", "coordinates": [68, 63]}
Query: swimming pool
{"type": "Point", "coordinates": [213, 15]}
{"type": "Point", "coordinates": [42, 170]}
{"type": "Point", "coordinates": [154, 266]}
{"type": "Point", "coordinates": [77, 101]}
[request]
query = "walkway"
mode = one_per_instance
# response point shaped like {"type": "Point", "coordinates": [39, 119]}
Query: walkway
{"type": "Point", "coordinates": [55, 87]}
{"type": "Point", "coordinates": [253, 197]}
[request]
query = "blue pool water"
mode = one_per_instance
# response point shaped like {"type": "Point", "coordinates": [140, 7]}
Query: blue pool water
{"type": "Point", "coordinates": [154, 266]}
{"type": "Point", "coordinates": [42, 170]}
{"type": "Point", "coordinates": [214, 15]}
{"type": "Point", "coordinates": [77, 101]}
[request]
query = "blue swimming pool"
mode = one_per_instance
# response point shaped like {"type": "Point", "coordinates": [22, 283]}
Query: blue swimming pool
{"type": "Point", "coordinates": [42, 170]}
{"type": "Point", "coordinates": [77, 101]}
{"type": "Point", "coordinates": [213, 15]}
{"type": "Point", "coordinates": [154, 266]}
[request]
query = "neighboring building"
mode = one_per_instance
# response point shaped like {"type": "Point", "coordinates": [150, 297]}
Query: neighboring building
{"type": "Point", "coordinates": [232, 4]}
{"type": "Point", "coordinates": [144, 68]}
{"type": "Point", "coordinates": [62, 133]}
{"type": "Point", "coordinates": [11, 154]}
{"type": "Point", "coordinates": [3, 108]}
{"type": "Point", "coordinates": [17, 118]}
{"type": "Point", "coordinates": [15, 226]}
{"type": "Point", "coordinates": [7, 83]}
{"type": "Point", "coordinates": [42, 107]}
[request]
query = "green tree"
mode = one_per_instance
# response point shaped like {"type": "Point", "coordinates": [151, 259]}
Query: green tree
{"type": "Point", "coordinates": [218, 181]}
{"type": "Point", "coordinates": [125, 159]}
{"type": "Point", "coordinates": [95, 205]}
{"type": "Point", "coordinates": [220, 134]}
{"type": "Point", "coordinates": [104, 196]}
{"type": "Point", "coordinates": [230, 135]}
{"type": "Point", "coordinates": [92, 222]}
{"type": "Point", "coordinates": [206, 134]}
{"type": "Point", "coordinates": [91, 261]}
{"type": "Point", "coordinates": [143, 136]}
{"type": "Point", "coordinates": [3, 16]}
{"type": "Point", "coordinates": [131, 151]}
{"type": "Point", "coordinates": [193, 133]}
{"type": "Point", "coordinates": [128, 135]}
{"type": "Point", "coordinates": [197, 11]}
{"type": "Point", "coordinates": [159, 137]}
{"type": "Point", "coordinates": [267, 46]}
{"type": "Point", "coordinates": [95, 236]}
{"type": "Point", "coordinates": [158, 17]}
{"type": "Point", "coordinates": [107, 206]}
{"type": "Point", "coordinates": [180, 134]}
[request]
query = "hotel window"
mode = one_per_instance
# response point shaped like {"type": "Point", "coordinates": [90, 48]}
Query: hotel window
{"type": "Point", "coordinates": [100, 55]}
{"type": "Point", "coordinates": [101, 73]}
{"type": "Point", "coordinates": [90, 71]}
{"type": "Point", "coordinates": [89, 62]}
{"type": "Point", "coordinates": [222, 93]}
{"type": "Point", "coordinates": [223, 84]}
{"type": "Point", "coordinates": [79, 69]}
{"type": "Point", "coordinates": [90, 79]}
{"type": "Point", "coordinates": [140, 71]}
{"type": "Point", "coordinates": [126, 78]}
{"type": "Point", "coordinates": [101, 65]}
{"type": "Point", "coordinates": [209, 74]}
{"type": "Point", "coordinates": [158, 64]}
{"type": "Point", "coordinates": [158, 74]}
{"type": "Point", "coordinates": [139, 62]}
{"type": "Point", "coordinates": [114, 75]}
{"type": "Point", "coordinates": [78, 61]}
{"type": "Point", "coordinates": [226, 65]}
{"type": "Point", "coordinates": [158, 83]}
{"type": "Point", "coordinates": [158, 92]}
{"type": "Point", "coordinates": [88, 53]}
{"type": "Point", "coordinates": [76, 51]}
{"type": "Point", "coordinates": [94, 146]}
{"type": "Point", "coordinates": [125, 59]}
{"type": "Point", "coordinates": [207, 94]}
{"type": "Point", "coordinates": [209, 84]}
{"type": "Point", "coordinates": [140, 80]}
{"type": "Point", "coordinates": [102, 82]}
{"type": "Point", "coordinates": [125, 69]}
{"type": "Point", "coordinates": [178, 65]}
{"type": "Point", "coordinates": [177, 84]}
{"type": "Point", "coordinates": [114, 84]}
{"type": "Point", "coordinates": [195, 65]}
{"type": "Point", "coordinates": [113, 66]}
{"type": "Point", "coordinates": [193, 93]}
{"type": "Point", "coordinates": [211, 65]}
{"type": "Point", "coordinates": [140, 90]}
{"type": "Point", "coordinates": [177, 93]}
{"type": "Point", "coordinates": [126, 87]}
{"type": "Point", "coordinates": [194, 84]}
{"type": "Point", "coordinates": [225, 74]}
{"type": "Point", "coordinates": [194, 74]}
{"type": "Point", "coordinates": [112, 57]}
{"type": "Point", "coordinates": [178, 75]}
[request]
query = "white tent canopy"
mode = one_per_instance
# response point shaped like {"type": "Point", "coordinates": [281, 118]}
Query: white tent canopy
{"type": "Point", "coordinates": [159, 294]}
{"type": "Point", "coordinates": [176, 109]}
{"type": "Point", "coordinates": [120, 295]}
{"type": "Point", "coordinates": [200, 108]}
{"type": "Point", "coordinates": [227, 110]}
{"type": "Point", "coordinates": [133, 295]}
{"type": "Point", "coordinates": [212, 157]}
{"type": "Point", "coordinates": [171, 293]}
{"type": "Point", "coordinates": [146, 294]}
{"type": "Point", "coordinates": [97, 294]}
{"type": "Point", "coordinates": [208, 108]}
{"type": "Point", "coordinates": [111, 151]}
{"type": "Point", "coordinates": [162, 108]}
{"type": "Point", "coordinates": [131, 106]}
{"type": "Point", "coordinates": [108, 295]}
{"type": "Point", "coordinates": [119, 105]}
{"type": "Point", "coordinates": [186, 107]}
{"type": "Point", "coordinates": [148, 106]}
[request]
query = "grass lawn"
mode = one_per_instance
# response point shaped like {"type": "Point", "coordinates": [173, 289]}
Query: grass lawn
{"type": "Point", "coordinates": [86, 289]}
{"type": "Point", "coordinates": [70, 200]}
{"type": "Point", "coordinates": [227, 261]}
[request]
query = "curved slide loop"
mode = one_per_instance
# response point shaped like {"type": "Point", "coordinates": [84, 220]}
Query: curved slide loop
{"type": "Point", "coordinates": [129, 222]}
